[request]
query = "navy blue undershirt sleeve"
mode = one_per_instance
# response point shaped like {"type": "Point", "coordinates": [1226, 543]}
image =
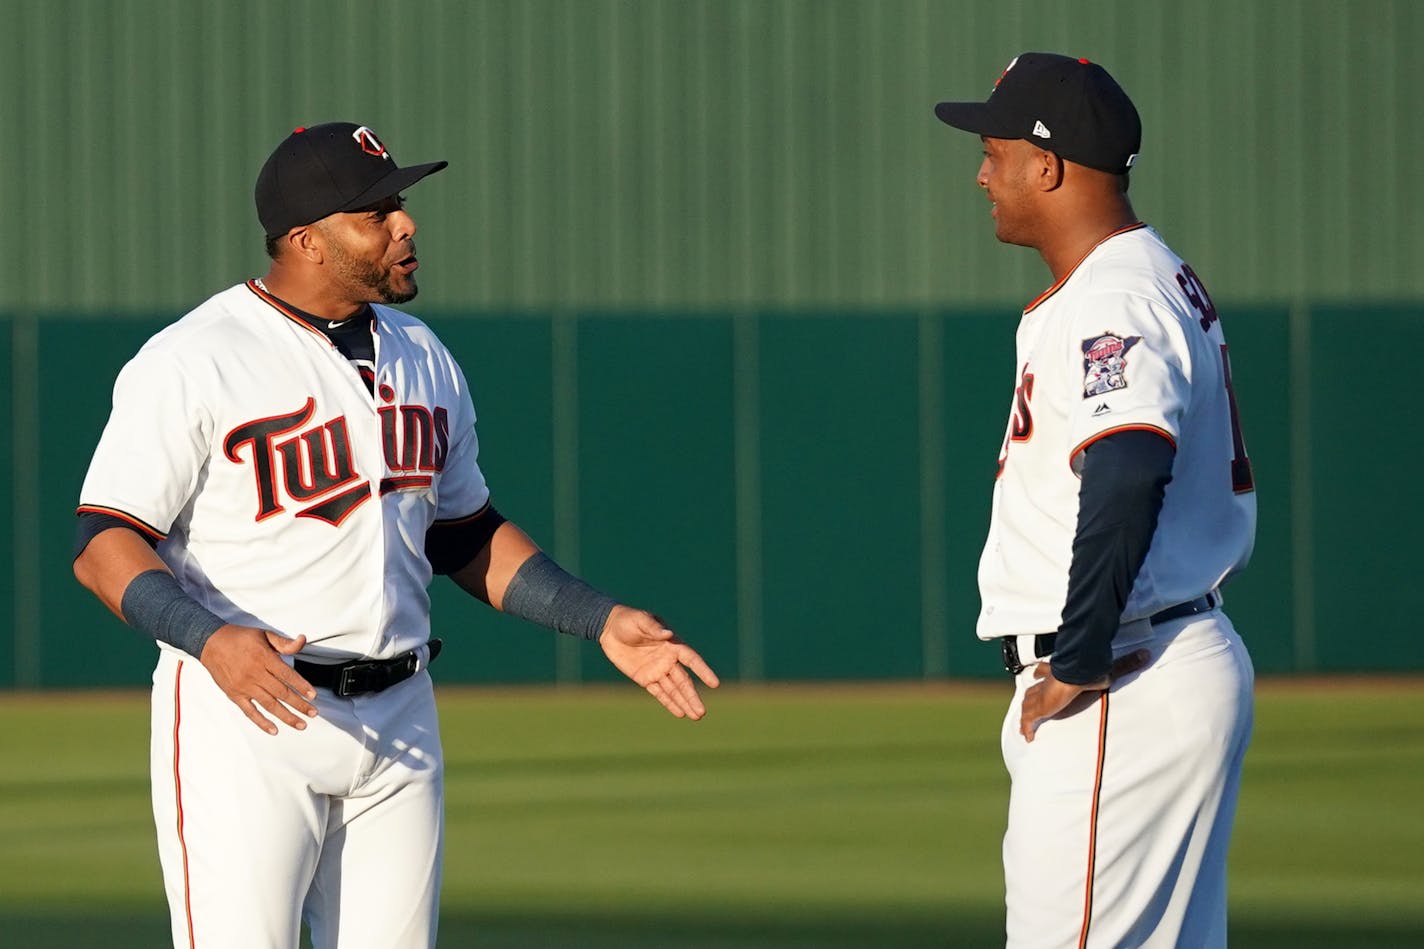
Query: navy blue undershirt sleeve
{"type": "Point", "coordinates": [1125, 477]}
{"type": "Point", "coordinates": [451, 545]}
{"type": "Point", "coordinates": [91, 524]}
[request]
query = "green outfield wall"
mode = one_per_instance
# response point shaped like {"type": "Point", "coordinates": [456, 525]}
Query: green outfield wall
{"type": "Point", "coordinates": [802, 493]}
{"type": "Point", "coordinates": [738, 329]}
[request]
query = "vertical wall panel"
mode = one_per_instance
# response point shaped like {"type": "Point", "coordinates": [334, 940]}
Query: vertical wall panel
{"type": "Point", "coordinates": [656, 481]}
{"type": "Point", "coordinates": [1258, 600]}
{"type": "Point", "coordinates": [8, 642]}
{"type": "Point", "coordinates": [1368, 521]}
{"type": "Point", "coordinates": [507, 362]}
{"type": "Point", "coordinates": [841, 498]}
{"type": "Point", "coordinates": [79, 642]}
{"type": "Point", "coordinates": [980, 377]}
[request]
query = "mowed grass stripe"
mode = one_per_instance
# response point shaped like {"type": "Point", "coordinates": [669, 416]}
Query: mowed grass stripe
{"type": "Point", "coordinates": [799, 816]}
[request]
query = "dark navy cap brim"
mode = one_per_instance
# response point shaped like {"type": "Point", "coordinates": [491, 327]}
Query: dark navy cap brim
{"type": "Point", "coordinates": [979, 118]}
{"type": "Point", "coordinates": [394, 183]}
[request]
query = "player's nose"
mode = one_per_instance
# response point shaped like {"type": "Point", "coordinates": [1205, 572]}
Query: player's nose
{"type": "Point", "coordinates": [982, 178]}
{"type": "Point", "coordinates": [401, 224]}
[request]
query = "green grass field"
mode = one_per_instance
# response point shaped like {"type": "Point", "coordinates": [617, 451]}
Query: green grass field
{"type": "Point", "coordinates": [791, 817]}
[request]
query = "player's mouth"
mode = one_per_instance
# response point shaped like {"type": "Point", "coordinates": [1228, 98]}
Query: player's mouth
{"type": "Point", "coordinates": [408, 265]}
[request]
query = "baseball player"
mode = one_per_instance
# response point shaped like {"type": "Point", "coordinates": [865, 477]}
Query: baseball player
{"type": "Point", "coordinates": [283, 471]}
{"type": "Point", "coordinates": [1124, 501]}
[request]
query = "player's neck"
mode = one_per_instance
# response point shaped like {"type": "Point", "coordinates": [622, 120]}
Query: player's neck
{"type": "Point", "coordinates": [1074, 238]}
{"type": "Point", "coordinates": [287, 286]}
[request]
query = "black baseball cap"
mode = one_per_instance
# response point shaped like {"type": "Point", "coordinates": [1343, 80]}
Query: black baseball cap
{"type": "Point", "coordinates": [322, 169]}
{"type": "Point", "coordinates": [1067, 106]}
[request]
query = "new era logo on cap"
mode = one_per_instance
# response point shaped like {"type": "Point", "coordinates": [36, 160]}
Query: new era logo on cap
{"type": "Point", "coordinates": [1041, 130]}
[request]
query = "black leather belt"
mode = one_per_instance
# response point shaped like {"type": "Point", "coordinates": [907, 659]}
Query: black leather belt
{"type": "Point", "coordinates": [1202, 604]}
{"type": "Point", "coordinates": [362, 676]}
{"type": "Point", "coordinates": [1043, 642]}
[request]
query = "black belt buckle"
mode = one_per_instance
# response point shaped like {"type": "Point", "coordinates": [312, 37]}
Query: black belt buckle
{"type": "Point", "coordinates": [358, 678]}
{"type": "Point", "coordinates": [376, 675]}
{"type": "Point", "coordinates": [1009, 645]}
{"type": "Point", "coordinates": [1013, 662]}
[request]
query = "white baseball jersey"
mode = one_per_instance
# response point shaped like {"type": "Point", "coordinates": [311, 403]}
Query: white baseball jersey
{"type": "Point", "coordinates": [1127, 340]}
{"type": "Point", "coordinates": [289, 497]}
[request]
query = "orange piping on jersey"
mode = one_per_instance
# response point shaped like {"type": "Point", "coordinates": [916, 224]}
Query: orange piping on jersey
{"type": "Point", "coordinates": [1093, 820]}
{"type": "Point", "coordinates": [137, 524]}
{"type": "Point", "coordinates": [178, 798]}
{"type": "Point", "coordinates": [1057, 286]}
{"type": "Point", "coordinates": [286, 311]}
{"type": "Point", "coordinates": [1073, 455]}
{"type": "Point", "coordinates": [277, 305]}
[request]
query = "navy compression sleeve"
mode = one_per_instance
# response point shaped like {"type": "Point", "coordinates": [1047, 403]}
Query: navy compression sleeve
{"type": "Point", "coordinates": [1125, 478]}
{"type": "Point", "coordinates": [451, 545]}
{"type": "Point", "coordinates": [91, 524]}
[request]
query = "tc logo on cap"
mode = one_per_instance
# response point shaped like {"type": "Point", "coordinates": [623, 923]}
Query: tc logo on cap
{"type": "Point", "coordinates": [369, 143]}
{"type": "Point", "coordinates": [1012, 63]}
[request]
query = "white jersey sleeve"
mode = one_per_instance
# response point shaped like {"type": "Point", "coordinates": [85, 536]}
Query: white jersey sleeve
{"type": "Point", "coordinates": [463, 490]}
{"type": "Point", "coordinates": [1134, 366]}
{"type": "Point", "coordinates": [154, 448]}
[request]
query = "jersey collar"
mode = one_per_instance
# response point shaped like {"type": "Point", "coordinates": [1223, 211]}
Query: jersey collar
{"type": "Point", "coordinates": [302, 318]}
{"type": "Point", "coordinates": [1057, 286]}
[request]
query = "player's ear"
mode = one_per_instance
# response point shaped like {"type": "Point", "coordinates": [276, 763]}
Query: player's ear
{"type": "Point", "coordinates": [1049, 168]}
{"type": "Point", "coordinates": [306, 242]}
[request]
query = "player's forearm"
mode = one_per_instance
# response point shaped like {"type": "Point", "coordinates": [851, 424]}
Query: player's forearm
{"type": "Point", "coordinates": [123, 571]}
{"type": "Point", "coordinates": [487, 577]}
{"type": "Point", "coordinates": [514, 576]}
{"type": "Point", "coordinates": [1124, 482]}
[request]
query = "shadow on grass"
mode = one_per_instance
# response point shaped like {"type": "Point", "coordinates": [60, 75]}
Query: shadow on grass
{"type": "Point", "coordinates": [86, 930]}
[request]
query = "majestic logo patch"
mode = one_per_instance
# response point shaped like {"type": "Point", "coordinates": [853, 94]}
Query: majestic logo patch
{"type": "Point", "coordinates": [1105, 363]}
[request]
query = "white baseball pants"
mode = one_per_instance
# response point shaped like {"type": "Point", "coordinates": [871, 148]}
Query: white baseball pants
{"type": "Point", "coordinates": [339, 824]}
{"type": "Point", "coordinates": [1120, 813]}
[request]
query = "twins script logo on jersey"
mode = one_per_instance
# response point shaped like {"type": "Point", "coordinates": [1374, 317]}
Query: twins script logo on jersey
{"type": "Point", "coordinates": [316, 464]}
{"type": "Point", "coordinates": [1105, 363]}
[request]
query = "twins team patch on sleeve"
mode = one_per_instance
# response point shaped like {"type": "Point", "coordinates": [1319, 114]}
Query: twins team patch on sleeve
{"type": "Point", "coordinates": [1105, 363]}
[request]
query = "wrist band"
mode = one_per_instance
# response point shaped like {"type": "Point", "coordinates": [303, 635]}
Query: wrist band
{"type": "Point", "coordinates": [155, 604]}
{"type": "Point", "coordinates": [543, 592]}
